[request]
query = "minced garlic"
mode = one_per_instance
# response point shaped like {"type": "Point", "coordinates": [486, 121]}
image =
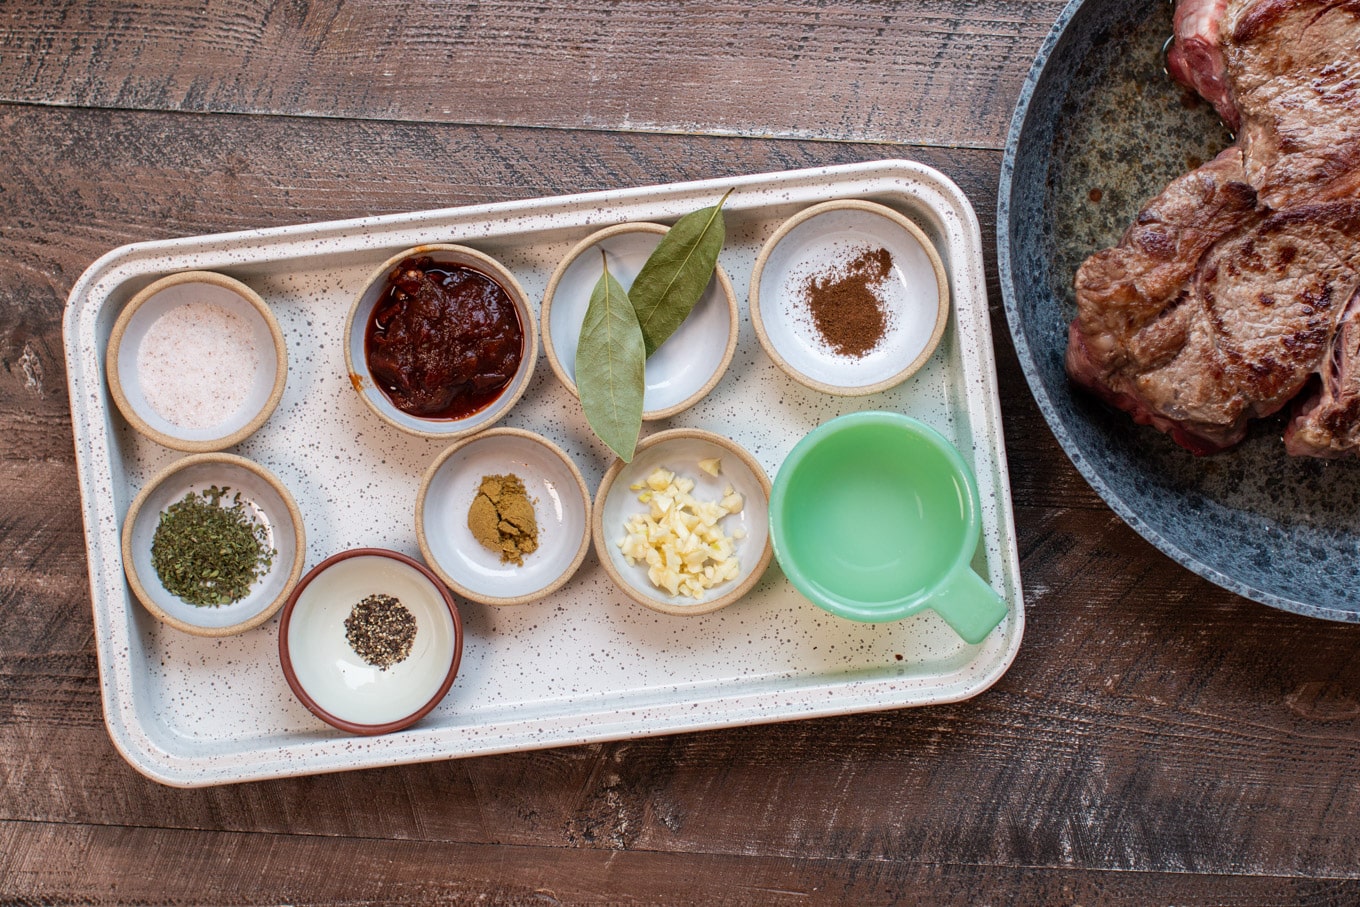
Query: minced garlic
{"type": "Point", "coordinates": [680, 538]}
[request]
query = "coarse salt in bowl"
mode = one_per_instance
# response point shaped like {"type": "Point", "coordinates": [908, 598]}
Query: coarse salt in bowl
{"type": "Point", "coordinates": [196, 361]}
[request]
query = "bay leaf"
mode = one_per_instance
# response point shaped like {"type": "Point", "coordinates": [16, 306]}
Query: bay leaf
{"type": "Point", "coordinates": [610, 363]}
{"type": "Point", "coordinates": [676, 273]}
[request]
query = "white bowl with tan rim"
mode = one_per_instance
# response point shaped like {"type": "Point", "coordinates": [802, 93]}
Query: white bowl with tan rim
{"type": "Point", "coordinates": [553, 485]}
{"type": "Point", "coordinates": [264, 498]}
{"type": "Point", "coordinates": [356, 359]}
{"type": "Point", "coordinates": [680, 451]}
{"type": "Point", "coordinates": [818, 247]}
{"type": "Point", "coordinates": [196, 361]}
{"type": "Point", "coordinates": [683, 370]}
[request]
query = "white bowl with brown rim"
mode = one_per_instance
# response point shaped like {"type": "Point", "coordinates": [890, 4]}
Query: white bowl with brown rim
{"type": "Point", "coordinates": [484, 413]}
{"type": "Point", "coordinates": [849, 297]}
{"type": "Point", "coordinates": [196, 361]}
{"type": "Point", "coordinates": [263, 497]}
{"type": "Point", "coordinates": [680, 451]}
{"type": "Point", "coordinates": [552, 484]}
{"type": "Point", "coordinates": [346, 660]}
{"type": "Point", "coordinates": [691, 362]}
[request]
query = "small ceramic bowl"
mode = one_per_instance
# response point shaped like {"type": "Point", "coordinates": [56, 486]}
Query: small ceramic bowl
{"type": "Point", "coordinates": [356, 326]}
{"type": "Point", "coordinates": [818, 244]}
{"type": "Point", "coordinates": [680, 450]}
{"type": "Point", "coordinates": [561, 508]}
{"type": "Point", "coordinates": [263, 496]}
{"type": "Point", "coordinates": [326, 673]}
{"type": "Point", "coordinates": [196, 361]}
{"type": "Point", "coordinates": [687, 366]}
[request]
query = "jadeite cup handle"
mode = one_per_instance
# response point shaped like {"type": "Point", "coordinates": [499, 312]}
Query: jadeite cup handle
{"type": "Point", "coordinates": [969, 605]}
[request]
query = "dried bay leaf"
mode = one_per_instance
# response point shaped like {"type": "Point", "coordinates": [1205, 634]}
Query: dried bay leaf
{"type": "Point", "coordinates": [676, 273]}
{"type": "Point", "coordinates": [610, 363]}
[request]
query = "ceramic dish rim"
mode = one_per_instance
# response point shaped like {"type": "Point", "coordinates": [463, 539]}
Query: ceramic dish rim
{"type": "Point", "coordinates": [354, 727]}
{"type": "Point", "coordinates": [599, 236]}
{"type": "Point", "coordinates": [505, 601]}
{"type": "Point", "coordinates": [638, 595]}
{"type": "Point", "coordinates": [135, 509]}
{"type": "Point", "coordinates": [115, 350]}
{"type": "Point", "coordinates": [489, 267]}
{"type": "Point", "coordinates": [898, 219]}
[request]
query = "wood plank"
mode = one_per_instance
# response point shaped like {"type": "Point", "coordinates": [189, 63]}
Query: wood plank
{"type": "Point", "coordinates": [922, 71]}
{"type": "Point", "coordinates": [1152, 722]}
{"type": "Point", "coordinates": [76, 865]}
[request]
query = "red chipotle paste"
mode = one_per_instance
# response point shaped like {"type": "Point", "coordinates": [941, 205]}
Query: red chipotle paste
{"type": "Point", "coordinates": [443, 341]}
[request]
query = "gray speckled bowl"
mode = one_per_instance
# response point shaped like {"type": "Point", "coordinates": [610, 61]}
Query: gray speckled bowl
{"type": "Point", "coordinates": [1099, 129]}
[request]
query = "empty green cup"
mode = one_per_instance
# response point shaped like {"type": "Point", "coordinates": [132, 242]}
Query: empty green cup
{"type": "Point", "coordinates": [874, 516]}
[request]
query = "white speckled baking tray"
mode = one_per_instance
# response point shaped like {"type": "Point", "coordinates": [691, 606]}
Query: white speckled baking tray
{"type": "Point", "coordinates": [585, 664]}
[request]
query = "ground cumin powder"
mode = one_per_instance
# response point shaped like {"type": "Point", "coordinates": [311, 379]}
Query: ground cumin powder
{"type": "Point", "coordinates": [502, 518]}
{"type": "Point", "coordinates": [846, 310]}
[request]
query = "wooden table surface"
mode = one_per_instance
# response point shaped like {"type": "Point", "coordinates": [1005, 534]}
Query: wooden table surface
{"type": "Point", "coordinates": [1158, 740]}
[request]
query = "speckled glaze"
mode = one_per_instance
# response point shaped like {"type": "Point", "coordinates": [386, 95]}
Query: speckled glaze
{"type": "Point", "coordinates": [1100, 129]}
{"type": "Point", "coordinates": [584, 664]}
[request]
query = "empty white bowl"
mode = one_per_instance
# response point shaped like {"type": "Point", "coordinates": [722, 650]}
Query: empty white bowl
{"type": "Point", "coordinates": [331, 679]}
{"type": "Point", "coordinates": [679, 451]}
{"type": "Point", "coordinates": [356, 325]}
{"type": "Point", "coordinates": [196, 361]}
{"type": "Point", "coordinates": [561, 508]}
{"type": "Point", "coordinates": [263, 496]}
{"type": "Point", "coordinates": [682, 370]}
{"type": "Point", "coordinates": [819, 242]}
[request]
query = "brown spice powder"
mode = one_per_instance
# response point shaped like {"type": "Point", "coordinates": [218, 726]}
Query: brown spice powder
{"type": "Point", "coordinates": [502, 518]}
{"type": "Point", "coordinates": [846, 310]}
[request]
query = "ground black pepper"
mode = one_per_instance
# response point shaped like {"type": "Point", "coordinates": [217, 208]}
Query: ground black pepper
{"type": "Point", "coordinates": [846, 311]}
{"type": "Point", "coordinates": [381, 630]}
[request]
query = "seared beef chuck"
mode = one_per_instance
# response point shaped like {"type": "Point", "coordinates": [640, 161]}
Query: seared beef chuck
{"type": "Point", "coordinates": [1294, 71]}
{"type": "Point", "coordinates": [1238, 284]}
{"type": "Point", "coordinates": [1328, 423]}
{"type": "Point", "coordinates": [1195, 57]}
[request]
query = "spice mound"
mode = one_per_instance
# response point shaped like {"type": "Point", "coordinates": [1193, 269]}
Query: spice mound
{"type": "Point", "coordinates": [846, 307]}
{"type": "Point", "coordinates": [502, 518]}
{"type": "Point", "coordinates": [381, 630]}
{"type": "Point", "coordinates": [443, 341]}
{"type": "Point", "coordinates": [680, 538]}
{"type": "Point", "coordinates": [208, 553]}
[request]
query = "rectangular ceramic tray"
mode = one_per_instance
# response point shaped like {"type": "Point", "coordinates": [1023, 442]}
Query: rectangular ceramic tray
{"type": "Point", "coordinates": [585, 664]}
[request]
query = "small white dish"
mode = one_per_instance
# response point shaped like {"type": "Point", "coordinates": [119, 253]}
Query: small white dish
{"type": "Point", "coordinates": [817, 243]}
{"type": "Point", "coordinates": [561, 508]}
{"type": "Point", "coordinates": [679, 451]}
{"type": "Point", "coordinates": [331, 679]}
{"type": "Point", "coordinates": [218, 350]}
{"type": "Point", "coordinates": [263, 496]}
{"type": "Point", "coordinates": [691, 361]}
{"type": "Point", "coordinates": [356, 326]}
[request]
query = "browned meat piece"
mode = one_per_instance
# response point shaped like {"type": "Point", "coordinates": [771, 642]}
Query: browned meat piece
{"type": "Point", "coordinates": [1293, 68]}
{"type": "Point", "coordinates": [1328, 423]}
{"type": "Point", "coordinates": [1195, 57]}
{"type": "Point", "coordinates": [1204, 317]}
{"type": "Point", "coordinates": [1127, 295]}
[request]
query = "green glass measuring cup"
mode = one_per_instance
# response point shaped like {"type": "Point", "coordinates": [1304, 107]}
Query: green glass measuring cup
{"type": "Point", "coordinates": [874, 516]}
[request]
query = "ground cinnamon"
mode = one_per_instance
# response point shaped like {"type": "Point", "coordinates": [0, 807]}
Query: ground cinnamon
{"type": "Point", "coordinates": [845, 307]}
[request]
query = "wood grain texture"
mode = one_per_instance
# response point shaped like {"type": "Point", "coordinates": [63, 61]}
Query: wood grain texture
{"type": "Point", "coordinates": [922, 71]}
{"type": "Point", "coordinates": [78, 865]}
{"type": "Point", "coordinates": [1157, 738]}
